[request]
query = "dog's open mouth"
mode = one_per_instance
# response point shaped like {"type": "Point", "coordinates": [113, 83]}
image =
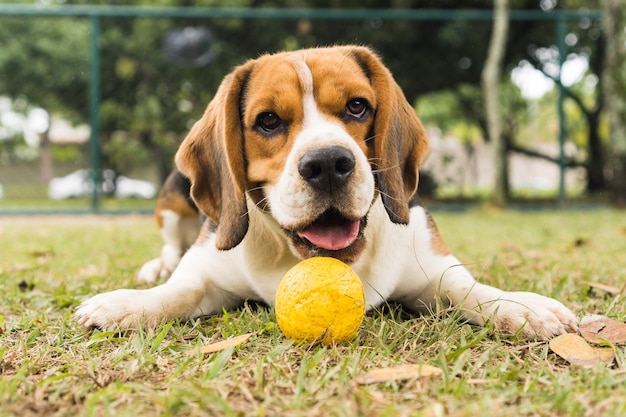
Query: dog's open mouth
{"type": "Point", "coordinates": [331, 231]}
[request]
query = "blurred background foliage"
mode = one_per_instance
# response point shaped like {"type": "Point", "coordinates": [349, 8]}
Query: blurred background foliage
{"type": "Point", "coordinates": [149, 100]}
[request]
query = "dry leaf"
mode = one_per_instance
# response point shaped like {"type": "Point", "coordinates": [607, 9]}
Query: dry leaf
{"type": "Point", "coordinates": [224, 344]}
{"type": "Point", "coordinates": [577, 351]}
{"type": "Point", "coordinates": [598, 329]}
{"type": "Point", "coordinates": [395, 373]}
{"type": "Point", "coordinates": [606, 288]}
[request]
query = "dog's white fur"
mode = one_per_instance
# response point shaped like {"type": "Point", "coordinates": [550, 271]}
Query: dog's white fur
{"type": "Point", "coordinates": [399, 262]}
{"type": "Point", "coordinates": [178, 233]}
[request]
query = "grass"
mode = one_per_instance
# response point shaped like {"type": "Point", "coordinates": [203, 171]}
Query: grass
{"type": "Point", "coordinates": [49, 367]}
{"type": "Point", "coordinates": [26, 204]}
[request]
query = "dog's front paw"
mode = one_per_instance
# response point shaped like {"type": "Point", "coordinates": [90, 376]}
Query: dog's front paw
{"type": "Point", "coordinates": [115, 310]}
{"type": "Point", "coordinates": [151, 271]}
{"type": "Point", "coordinates": [160, 268]}
{"type": "Point", "coordinates": [532, 316]}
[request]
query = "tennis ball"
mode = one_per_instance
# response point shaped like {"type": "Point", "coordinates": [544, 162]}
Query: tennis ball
{"type": "Point", "coordinates": [320, 299]}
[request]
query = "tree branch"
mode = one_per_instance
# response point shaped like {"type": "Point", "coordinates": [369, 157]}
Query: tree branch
{"type": "Point", "coordinates": [569, 162]}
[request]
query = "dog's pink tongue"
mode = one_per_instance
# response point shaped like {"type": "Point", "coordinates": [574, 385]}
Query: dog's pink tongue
{"type": "Point", "coordinates": [332, 236]}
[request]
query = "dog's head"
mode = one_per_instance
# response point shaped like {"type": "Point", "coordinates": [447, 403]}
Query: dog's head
{"type": "Point", "coordinates": [311, 137]}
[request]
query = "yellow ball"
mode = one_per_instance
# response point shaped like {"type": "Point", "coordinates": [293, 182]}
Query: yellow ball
{"type": "Point", "coordinates": [320, 299]}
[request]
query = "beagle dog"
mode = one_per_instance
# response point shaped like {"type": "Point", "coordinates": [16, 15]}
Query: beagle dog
{"type": "Point", "coordinates": [300, 154]}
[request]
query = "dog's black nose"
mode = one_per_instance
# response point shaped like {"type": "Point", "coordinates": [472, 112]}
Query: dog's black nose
{"type": "Point", "coordinates": [327, 169]}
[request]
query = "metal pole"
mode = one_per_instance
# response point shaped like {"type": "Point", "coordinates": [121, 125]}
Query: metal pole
{"type": "Point", "coordinates": [94, 109]}
{"type": "Point", "coordinates": [289, 13]}
{"type": "Point", "coordinates": [560, 41]}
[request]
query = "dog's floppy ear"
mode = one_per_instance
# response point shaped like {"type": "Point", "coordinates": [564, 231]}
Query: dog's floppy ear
{"type": "Point", "coordinates": [400, 141]}
{"type": "Point", "coordinates": [211, 156]}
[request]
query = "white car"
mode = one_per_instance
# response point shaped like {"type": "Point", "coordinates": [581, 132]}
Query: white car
{"type": "Point", "coordinates": [127, 187]}
{"type": "Point", "coordinates": [80, 184]}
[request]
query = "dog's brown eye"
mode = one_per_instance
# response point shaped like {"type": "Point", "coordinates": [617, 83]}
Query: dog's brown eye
{"type": "Point", "coordinates": [356, 108]}
{"type": "Point", "coordinates": [268, 122]}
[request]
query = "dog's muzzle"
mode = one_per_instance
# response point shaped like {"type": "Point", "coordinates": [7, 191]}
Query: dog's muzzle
{"type": "Point", "coordinates": [328, 170]}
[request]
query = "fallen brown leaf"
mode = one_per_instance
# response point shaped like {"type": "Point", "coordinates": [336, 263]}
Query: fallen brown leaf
{"type": "Point", "coordinates": [606, 288]}
{"type": "Point", "coordinates": [401, 372]}
{"type": "Point", "coordinates": [224, 344]}
{"type": "Point", "coordinates": [577, 351]}
{"type": "Point", "coordinates": [598, 329]}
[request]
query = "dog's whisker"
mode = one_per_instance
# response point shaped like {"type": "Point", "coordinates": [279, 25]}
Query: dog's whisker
{"type": "Point", "coordinates": [388, 196]}
{"type": "Point", "coordinates": [256, 188]}
{"type": "Point", "coordinates": [257, 205]}
{"type": "Point", "coordinates": [378, 170]}
{"type": "Point", "coordinates": [367, 139]}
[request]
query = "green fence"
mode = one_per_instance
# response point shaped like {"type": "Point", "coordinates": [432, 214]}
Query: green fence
{"type": "Point", "coordinates": [244, 21]}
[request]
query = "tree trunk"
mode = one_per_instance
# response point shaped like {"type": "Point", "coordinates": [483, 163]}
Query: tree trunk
{"type": "Point", "coordinates": [46, 164]}
{"type": "Point", "coordinates": [615, 95]}
{"type": "Point", "coordinates": [595, 161]}
{"type": "Point", "coordinates": [490, 81]}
